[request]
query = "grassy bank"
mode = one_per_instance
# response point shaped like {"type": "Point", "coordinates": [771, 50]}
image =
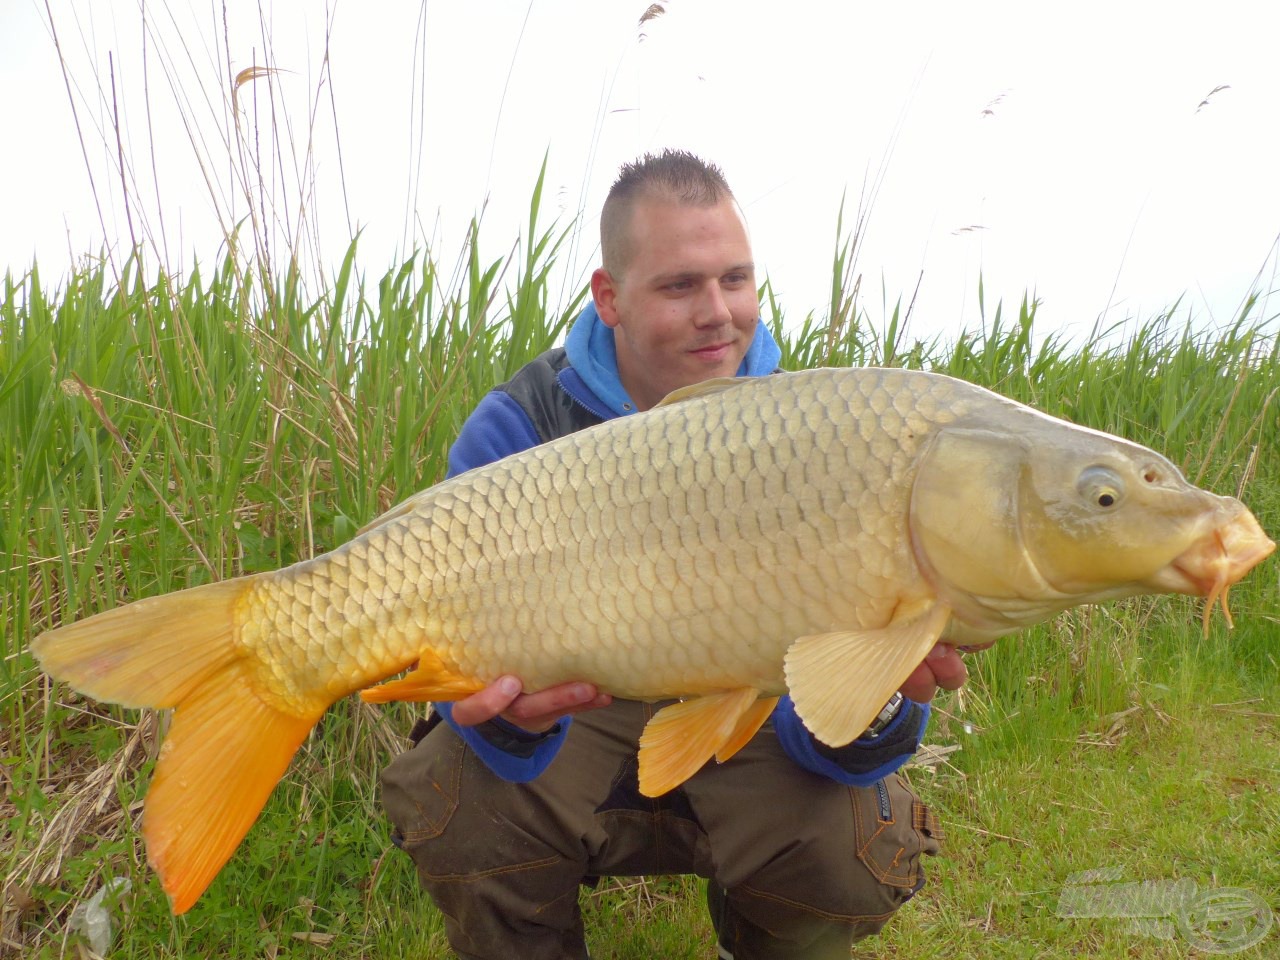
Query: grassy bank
{"type": "Point", "coordinates": [165, 431]}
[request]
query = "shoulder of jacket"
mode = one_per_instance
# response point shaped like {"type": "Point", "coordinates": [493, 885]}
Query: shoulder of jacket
{"type": "Point", "coordinates": [538, 390]}
{"type": "Point", "coordinates": [538, 375]}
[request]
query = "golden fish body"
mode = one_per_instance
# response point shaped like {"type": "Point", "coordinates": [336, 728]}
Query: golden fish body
{"type": "Point", "coordinates": [814, 532]}
{"type": "Point", "coordinates": [665, 555]}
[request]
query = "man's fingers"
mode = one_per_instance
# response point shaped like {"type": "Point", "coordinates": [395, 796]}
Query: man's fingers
{"type": "Point", "coordinates": [921, 685]}
{"type": "Point", "coordinates": [542, 722]}
{"type": "Point", "coordinates": [975, 647]}
{"type": "Point", "coordinates": [488, 703]}
{"type": "Point", "coordinates": [943, 667]}
{"type": "Point", "coordinates": [535, 712]}
{"type": "Point", "coordinates": [543, 708]}
{"type": "Point", "coordinates": [949, 671]}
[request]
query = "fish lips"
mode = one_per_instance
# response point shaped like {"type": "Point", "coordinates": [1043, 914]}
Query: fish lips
{"type": "Point", "coordinates": [1219, 558]}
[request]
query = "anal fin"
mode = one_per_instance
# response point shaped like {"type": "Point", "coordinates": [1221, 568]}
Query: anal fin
{"type": "Point", "coordinates": [840, 681]}
{"type": "Point", "coordinates": [680, 738]}
{"type": "Point", "coordinates": [432, 679]}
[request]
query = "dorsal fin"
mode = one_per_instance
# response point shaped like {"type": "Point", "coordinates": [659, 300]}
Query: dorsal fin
{"type": "Point", "coordinates": [401, 509]}
{"type": "Point", "coordinates": [706, 387]}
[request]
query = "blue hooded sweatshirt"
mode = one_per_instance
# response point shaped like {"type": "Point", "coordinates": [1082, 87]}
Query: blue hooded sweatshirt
{"type": "Point", "coordinates": [499, 426]}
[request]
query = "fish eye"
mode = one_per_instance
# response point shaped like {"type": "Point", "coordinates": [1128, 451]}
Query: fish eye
{"type": "Point", "coordinates": [1101, 486]}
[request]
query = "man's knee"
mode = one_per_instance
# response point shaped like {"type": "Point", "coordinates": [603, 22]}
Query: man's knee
{"type": "Point", "coordinates": [421, 788]}
{"type": "Point", "coordinates": [847, 880]}
{"type": "Point", "coordinates": [458, 821]}
{"type": "Point", "coordinates": [489, 855]}
{"type": "Point", "coordinates": [893, 832]}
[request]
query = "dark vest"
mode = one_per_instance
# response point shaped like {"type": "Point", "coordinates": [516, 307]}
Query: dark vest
{"type": "Point", "coordinates": [551, 409]}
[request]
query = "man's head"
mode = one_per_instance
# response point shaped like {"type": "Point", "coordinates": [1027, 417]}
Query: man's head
{"type": "Point", "coordinates": [677, 284]}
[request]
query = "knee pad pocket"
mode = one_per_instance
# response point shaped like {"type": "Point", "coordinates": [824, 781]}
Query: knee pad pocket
{"type": "Point", "coordinates": [420, 788]}
{"type": "Point", "coordinates": [893, 828]}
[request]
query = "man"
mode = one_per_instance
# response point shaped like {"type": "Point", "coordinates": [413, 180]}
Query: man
{"type": "Point", "coordinates": [806, 847]}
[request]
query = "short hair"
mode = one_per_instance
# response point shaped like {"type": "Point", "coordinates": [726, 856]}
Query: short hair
{"type": "Point", "coordinates": [674, 175]}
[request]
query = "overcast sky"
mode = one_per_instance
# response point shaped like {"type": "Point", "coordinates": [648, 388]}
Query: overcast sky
{"type": "Point", "coordinates": [1070, 153]}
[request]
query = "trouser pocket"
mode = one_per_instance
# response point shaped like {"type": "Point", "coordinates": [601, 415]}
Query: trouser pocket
{"type": "Point", "coordinates": [420, 788]}
{"type": "Point", "coordinates": [893, 828]}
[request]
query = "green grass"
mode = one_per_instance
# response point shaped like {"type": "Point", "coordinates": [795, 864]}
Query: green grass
{"type": "Point", "coordinates": [1131, 744]}
{"type": "Point", "coordinates": [162, 430]}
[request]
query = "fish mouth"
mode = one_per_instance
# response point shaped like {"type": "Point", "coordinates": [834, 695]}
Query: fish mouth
{"type": "Point", "coordinates": [1220, 558]}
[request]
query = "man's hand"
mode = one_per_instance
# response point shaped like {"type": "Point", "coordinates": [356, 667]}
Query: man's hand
{"type": "Point", "coordinates": [943, 668]}
{"type": "Point", "coordinates": [536, 712]}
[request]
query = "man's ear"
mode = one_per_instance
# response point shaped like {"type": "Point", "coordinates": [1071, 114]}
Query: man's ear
{"type": "Point", "coordinates": [604, 291]}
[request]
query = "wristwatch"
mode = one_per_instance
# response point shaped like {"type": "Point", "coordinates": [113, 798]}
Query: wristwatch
{"type": "Point", "coordinates": [883, 718]}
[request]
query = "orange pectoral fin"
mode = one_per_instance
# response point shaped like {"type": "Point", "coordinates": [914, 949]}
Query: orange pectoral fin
{"type": "Point", "coordinates": [432, 679]}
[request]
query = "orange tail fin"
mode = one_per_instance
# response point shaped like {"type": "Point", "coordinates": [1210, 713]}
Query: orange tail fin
{"type": "Point", "coordinates": [227, 747]}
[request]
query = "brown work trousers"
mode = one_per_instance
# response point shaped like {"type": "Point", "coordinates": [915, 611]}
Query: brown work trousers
{"type": "Point", "coordinates": [800, 866]}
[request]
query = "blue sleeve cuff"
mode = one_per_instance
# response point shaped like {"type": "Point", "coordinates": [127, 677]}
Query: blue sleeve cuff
{"type": "Point", "coordinates": [862, 762]}
{"type": "Point", "coordinates": [508, 766]}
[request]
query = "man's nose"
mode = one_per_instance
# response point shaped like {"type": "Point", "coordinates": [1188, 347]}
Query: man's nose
{"type": "Point", "coordinates": [715, 310]}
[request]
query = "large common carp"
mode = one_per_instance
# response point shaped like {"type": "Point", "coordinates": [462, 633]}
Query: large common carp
{"type": "Point", "coordinates": [813, 532]}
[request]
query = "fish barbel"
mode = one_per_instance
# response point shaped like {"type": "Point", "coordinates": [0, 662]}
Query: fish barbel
{"type": "Point", "coordinates": [813, 533]}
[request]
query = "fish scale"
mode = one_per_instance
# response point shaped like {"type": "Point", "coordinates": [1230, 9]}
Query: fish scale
{"type": "Point", "coordinates": [814, 533]}
{"type": "Point", "coordinates": [505, 576]}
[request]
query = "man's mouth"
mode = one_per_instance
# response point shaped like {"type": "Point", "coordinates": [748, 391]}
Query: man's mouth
{"type": "Point", "coordinates": [712, 353]}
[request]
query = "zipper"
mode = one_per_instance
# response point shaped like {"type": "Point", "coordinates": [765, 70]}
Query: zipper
{"type": "Point", "coordinates": [882, 797]}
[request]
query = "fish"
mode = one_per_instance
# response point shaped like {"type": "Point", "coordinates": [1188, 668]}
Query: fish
{"type": "Point", "coordinates": [812, 533]}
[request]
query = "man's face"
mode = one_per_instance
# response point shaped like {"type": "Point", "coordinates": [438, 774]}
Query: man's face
{"type": "Point", "coordinates": [684, 308]}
